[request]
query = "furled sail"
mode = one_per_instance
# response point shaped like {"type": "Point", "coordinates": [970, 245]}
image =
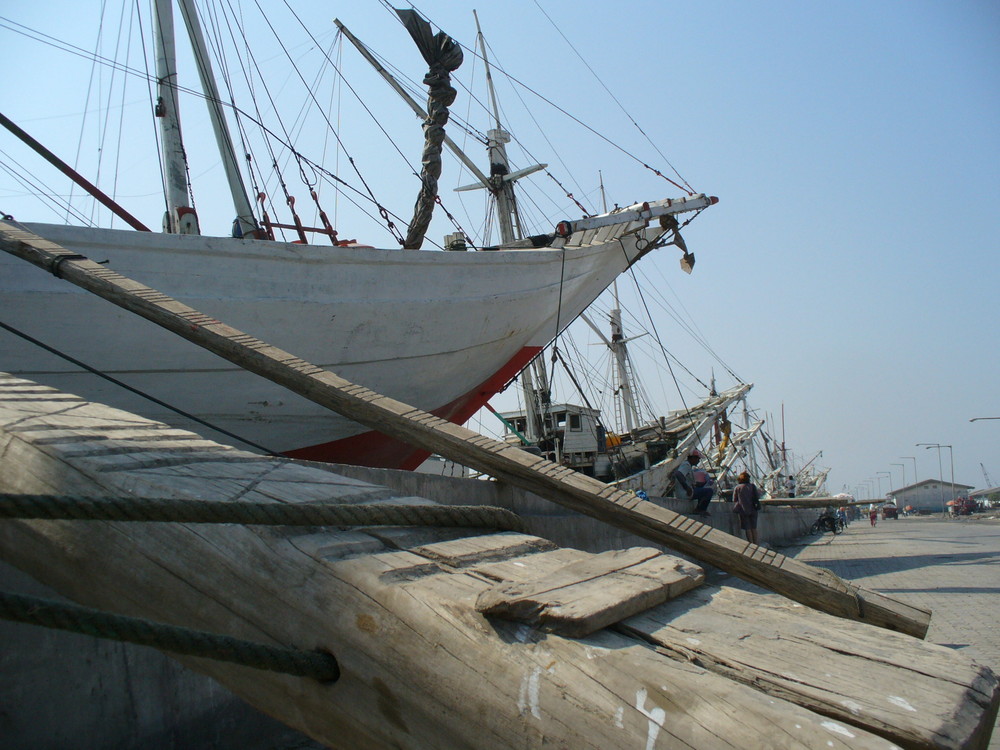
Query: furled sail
{"type": "Point", "coordinates": [443, 55]}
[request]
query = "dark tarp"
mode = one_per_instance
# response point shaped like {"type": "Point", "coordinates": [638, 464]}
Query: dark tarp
{"type": "Point", "coordinates": [443, 55]}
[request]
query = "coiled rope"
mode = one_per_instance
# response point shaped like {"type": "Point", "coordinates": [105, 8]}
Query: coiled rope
{"type": "Point", "coordinates": [36, 611]}
{"type": "Point", "coordinates": [270, 514]}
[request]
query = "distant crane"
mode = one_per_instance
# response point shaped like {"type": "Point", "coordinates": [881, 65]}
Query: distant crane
{"type": "Point", "coordinates": [985, 475]}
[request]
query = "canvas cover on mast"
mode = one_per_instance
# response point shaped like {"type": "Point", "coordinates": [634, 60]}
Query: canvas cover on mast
{"type": "Point", "coordinates": [443, 55]}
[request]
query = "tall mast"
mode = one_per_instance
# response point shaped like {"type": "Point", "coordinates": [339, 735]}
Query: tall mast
{"type": "Point", "coordinates": [245, 223]}
{"type": "Point", "coordinates": [497, 148]}
{"type": "Point", "coordinates": [501, 184]}
{"type": "Point", "coordinates": [501, 180]}
{"type": "Point", "coordinates": [180, 217]}
{"type": "Point", "coordinates": [618, 345]}
{"type": "Point", "coordinates": [619, 348]}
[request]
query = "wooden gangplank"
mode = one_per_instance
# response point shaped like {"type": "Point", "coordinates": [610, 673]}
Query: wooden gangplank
{"type": "Point", "coordinates": [815, 587]}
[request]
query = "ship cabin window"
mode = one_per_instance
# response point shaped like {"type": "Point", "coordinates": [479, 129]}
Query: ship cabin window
{"type": "Point", "coordinates": [561, 419]}
{"type": "Point", "coordinates": [575, 423]}
{"type": "Point", "coordinates": [521, 425]}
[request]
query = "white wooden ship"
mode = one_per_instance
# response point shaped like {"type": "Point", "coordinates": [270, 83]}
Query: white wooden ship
{"type": "Point", "coordinates": [443, 331]}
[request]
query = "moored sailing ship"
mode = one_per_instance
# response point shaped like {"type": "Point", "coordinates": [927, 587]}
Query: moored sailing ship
{"type": "Point", "coordinates": [442, 330]}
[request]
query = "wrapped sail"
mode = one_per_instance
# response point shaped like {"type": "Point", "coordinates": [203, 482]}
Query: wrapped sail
{"type": "Point", "coordinates": [442, 55]}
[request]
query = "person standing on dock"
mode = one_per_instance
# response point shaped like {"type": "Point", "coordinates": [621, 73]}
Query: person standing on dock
{"type": "Point", "coordinates": [873, 515]}
{"type": "Point", "coordinates": [746, 503]}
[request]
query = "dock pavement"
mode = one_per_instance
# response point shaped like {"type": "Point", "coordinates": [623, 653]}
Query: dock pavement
{"type": "Point", "coordinates": [950, 566]}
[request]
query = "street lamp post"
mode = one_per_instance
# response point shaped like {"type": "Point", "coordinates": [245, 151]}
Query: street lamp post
{"type": "Point", "coordinates": [976, 419]}
{"type": "Point", "coordinates": [889, 475]}
{"type": "Point", "coordinates": [928, 446]}
{"type": "Point", "coordinates": [951, 460]}
{"type": "Point", "coordinates": [903, 467]}
{"type": "Point", "coordinates": [879, 480]}
{"type": "Point", "coordinates": [882, 498]}
{"type": "Point", "coordinates": [916, 476]}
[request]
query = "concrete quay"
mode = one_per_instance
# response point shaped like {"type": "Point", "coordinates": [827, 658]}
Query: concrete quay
{"type": "Point", "coordinates": [949, 566]}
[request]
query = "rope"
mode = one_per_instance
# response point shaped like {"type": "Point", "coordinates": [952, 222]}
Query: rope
{"type": "Point", "coordinates": [136, 391]}
{"type": "Point", "coordinates": [562, 285]}
{"type": "Point", "coordinates": [74, 618]}
{"type": "Point", "coordinates": [614, 98]}
{"type": "Point", "coordinates": [263, 514]}
{"type": "Point", "coordinates": [687, 410]}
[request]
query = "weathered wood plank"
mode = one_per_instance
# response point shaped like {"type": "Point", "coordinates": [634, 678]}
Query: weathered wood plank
{"type": "Point", "coordinates": [813, 586]}
{"type": "Point", "coordinates": [919, 695]}
{"type": "Point", "coordinates": [459, 553]}
{"type": "Point", "coordinates": [529, 566]}
{"type": "Point", "coordinates": [585, 596]}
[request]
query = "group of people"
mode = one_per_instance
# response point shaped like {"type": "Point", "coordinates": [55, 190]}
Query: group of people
{"type": "Point", "coordinates": [698, 486]}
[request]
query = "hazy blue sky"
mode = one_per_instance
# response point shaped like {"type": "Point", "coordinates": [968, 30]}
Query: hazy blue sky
{"type": "Point", "coordinates": [850, 270]}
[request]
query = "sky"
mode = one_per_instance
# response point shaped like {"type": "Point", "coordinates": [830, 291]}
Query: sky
{"type": "Point", "coordinates": [850, 270]}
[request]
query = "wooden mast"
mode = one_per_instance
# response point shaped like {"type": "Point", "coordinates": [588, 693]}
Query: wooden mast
{"type": "Point", "coordinates": [245, 224]}
{"type": "Point", "coordinates": [180, 217]}
{"type": "Point", "coordinates": [815, 587]}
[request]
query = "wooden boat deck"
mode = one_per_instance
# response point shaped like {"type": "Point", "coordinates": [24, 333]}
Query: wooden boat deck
{"type": "Point", "coordinates": [673, 662]}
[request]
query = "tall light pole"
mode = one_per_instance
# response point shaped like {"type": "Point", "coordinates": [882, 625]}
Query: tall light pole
{"type": "Point", "coordinates": [916, 476]}
{"type": "Point", "coordinates": [951, 457]}
{"type": "Point", "coordinates": [928, 446]}
{"type": "Point", "coordinates": [903, 467]}
{"type": "Point", "coordinates": [879, 480]}
{"type": "Point", "coordinates": [976, 419]}
{"type": "Point", "coordinates": [888, 474]}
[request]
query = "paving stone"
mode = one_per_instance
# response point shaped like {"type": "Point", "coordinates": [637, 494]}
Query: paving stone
{"type": "Point", "coordinates": [949, 566]}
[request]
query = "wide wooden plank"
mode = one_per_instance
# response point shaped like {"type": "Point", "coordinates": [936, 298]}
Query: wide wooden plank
{"type": "Point", "coordinates": [585, 596]}
{"type": "Point", "coordinates": [420, 667]}
{"type": "Point", "coordinates": [813, 586]}
{"type": "Point", "coordinates": [483, 549]}
{"type": "Point", "coordinates": [917, 694]}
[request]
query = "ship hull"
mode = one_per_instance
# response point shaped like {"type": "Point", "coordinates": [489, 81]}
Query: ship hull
{"type": "Point", "coordinates": [443, 331]}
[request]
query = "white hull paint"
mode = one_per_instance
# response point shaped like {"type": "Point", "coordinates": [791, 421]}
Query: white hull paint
{"type": "Point", "coordinates": [442, 331]}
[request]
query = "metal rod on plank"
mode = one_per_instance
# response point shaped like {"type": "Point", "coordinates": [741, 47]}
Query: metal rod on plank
{"type": "Point", "coordinates": [815, 587]}
{"type": "Point", "coordinates": [72, 617]}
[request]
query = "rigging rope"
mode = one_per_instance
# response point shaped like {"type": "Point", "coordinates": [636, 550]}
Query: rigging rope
{"type": "Point", "coordinates": [382, 211]}
{"type": "Point", "coordinates": [656, 334]}
{"type": "Point", "coordinates": [616, 101]}
{"type": "Point", "coordinates": [578, 121]}
{"type": "Point", "coordinates": [562, 281]}
{"type": "Point", "coordinates": [136, 391]}
{"type": "Point", "coordinates": [29, 180]}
